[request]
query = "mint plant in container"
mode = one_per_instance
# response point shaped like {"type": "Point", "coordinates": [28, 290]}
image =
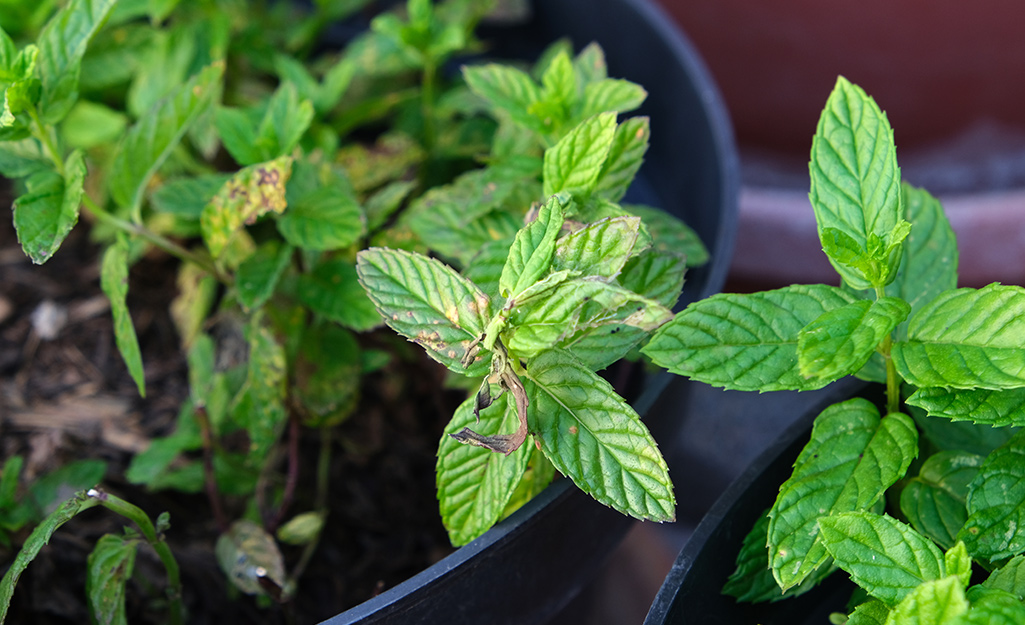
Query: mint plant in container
{"type": "Point", "coordinates": [914, 496]}
{"type": "Point", "coordinates": [303, 193]}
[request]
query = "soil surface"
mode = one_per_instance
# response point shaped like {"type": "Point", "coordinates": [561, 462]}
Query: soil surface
{"type": "Point", "coordinates": [65, 394]}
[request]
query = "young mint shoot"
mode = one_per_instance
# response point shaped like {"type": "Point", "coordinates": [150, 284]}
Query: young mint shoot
{"type": "Point", "coordinates": [911, 542]}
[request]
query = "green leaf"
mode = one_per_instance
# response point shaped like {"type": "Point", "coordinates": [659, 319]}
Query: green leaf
{"type": "Point", "coordinates": [9, 480]}
{"type": "Point", "coordinates": [744, 341]}
{"type": "Point", "coordinates": [45, 215]}
{"type": "Point", "coordinates": [110, 566]}
{"type": "Point", "coordinates": [559, 84]}
{"type": "Point", "coordinates": [246, 553]}
{"type": "Point", "coordinates": [596, 439]}
{"type": "Point", "coordinates": [485, 268]}
{"type": "Point", "coordinates": [333, 290]}
{"type": "Point", "coordinates": [38, 539]}
{"type": "Point", "coordinates": [533, 249]}
{"type": "Point", "coordinates": [590, 64]}
{"type": "Point", "coordinates": [539, 323]}
{"type": "Point", "coordinates": [327, 219]}
{"type": "Point", "coordinates": [966, 338]}
{"type": "Point", "coordinates": [539, 474]}
{"type": "Point", "coordinates": [752, 581]}
{"type": "Point", "coordinates": [1009, 578]}
{"type": "Point", "coordinates": [884, 556]}
{"type": "Point", "coordinates": [475, 483]}
{"type": "Point", "coordinates": [626, 155]}
{"type": "Point", "coordinates": [934, 502]}
{"type": "Point", "coordinates": [259, 274]}
{"type": "Point", "coordinates": [250, 193]}
{"type": "Point", "coordinates": [114, 282]}
{"type": "Point", "coordinates": [992, 607]}
{"type": "Point", "coordinates": [90, 124]}
{"type": "Point", "coordinates": [956, 561]}
{"type": "Point", "coordinates": [936, 602]}
{"type": "Point", "coordinates": [187, 197]}
{"type": "Point", "coordinates": [852, 458]}
{"type": "Point", "coordinates": [598, 249]}
{"type": "Point", "coordinates": [670, 235]}
{"type": "Point", "coordinates": [327, 375]}
{"type": "Point", "coordinates": [507, 89]}
{"type": "Point", "coordinates": [655, 275]}
{"type": "Point", "coordinates": [574, 164]}
{"type": "Point", "coordinates": [285, 121]}
{"type": "Point", "coordinates": [62, 45]}
{"type": "Point", "coordinates": [995, 528]}
{"type": "Point", "coordinates": [841, 341]}
{"type": "Point", "coordinates": [855, 181]}
{"type": "Point", "coordinates": [150, 140]}
{"type": "Point", "coordinates": [302, 529]}
{"type": "Point", "coordinates": [872, 612]}
{"type": "Point", "coordinates": [20, 159]}
{"type": "Point", "coordinates": [982, 406]}
{"type": "Point", "coordinates": [428, 303]}
{"type": "Point", "coordinates": [611, 94]}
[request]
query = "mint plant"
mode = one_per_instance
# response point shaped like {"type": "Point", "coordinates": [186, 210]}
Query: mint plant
{"type": "Point", "coordinates": [933, 540]}
{"type": "Point", "coordinates": [481, 212]}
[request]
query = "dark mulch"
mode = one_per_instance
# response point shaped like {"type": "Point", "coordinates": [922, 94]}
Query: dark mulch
{"type": "Point", "coordinates": [70, 397]}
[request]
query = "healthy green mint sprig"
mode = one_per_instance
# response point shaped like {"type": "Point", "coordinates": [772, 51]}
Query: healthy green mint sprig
{"type": "Point", "coordinates": [944, 354]}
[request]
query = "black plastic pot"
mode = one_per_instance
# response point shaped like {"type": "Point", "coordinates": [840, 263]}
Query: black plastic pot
{"type": "Point", "coordinates": [530, 566]}
{"type": "Point", "coordinates": [692, 591]}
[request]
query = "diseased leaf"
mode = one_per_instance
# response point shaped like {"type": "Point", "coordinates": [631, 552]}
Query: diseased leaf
{"type": "Point", "coordinates": [596, 439]}
{"type": "Point", "coordinates": [261, 409]}
{"type": "Point", "coordinates": [841, 341]}
{"type": "Point", "coordinates": [884, 556]}
{"type": "Point", "coordinates": [574, 163]}
{"type": "Point", "coordinates": [934, 502]}
{"type": "Point", "coordinates": [333, 290]}
{"type": "Point", "coordinates": [598, 249]}
{"type": "Point", "coordinates": [855, 181]}
{"type": "Point", "coordinates": [935, 602]}
{"type": "Point", "coordinates": [626, 154]}
{"type": "Point", "coordinates": [258, 275]}
{"type": "Point", "coordinates": [38, 539]}
{"type": "Point", "coordinates": [995, 528]}
{"type": "Point", "coordinates": [62, 44]}
{"type": "Point", "coordinates": [45, 215]}
{"type": "Point", "coordinates": [302, 529]}
{"type": "Point", "coordinates": [247, 554]}
{"type": "Point", "coordinates": [109, 567]}
{"type": "Point", "coordinates": [327, 375]}
{"type": "Point", "coordinates": [744, 341]}
{"type": "Point", "coordinates": [150, 140]}
{"type": "Point", "coordinates": [428, 303]}
{"type": "Point", "coordinates": [475, 483]}
{"type": "Point", "coordinates": [114, 282]}
{"type": "Point", "coordinates": [189, 309]}
{"type": "Point", "coordinates": [982, 406]}
{"type": "Point", "coordinates": [533, 249]}
{"type": "Point", "coordinates": [852, 458]}
{"type": "Point", "coordinates": [250, 193]}
{"type": "Point", "coordinates": [966, 338]}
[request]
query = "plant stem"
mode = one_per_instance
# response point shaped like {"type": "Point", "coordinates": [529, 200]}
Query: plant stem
{"type": "Point", "coordinates": [39, 132]}
{"type": "Point", "coordinates": [319, 504]}
{"type": "Point", "coordinates": [892, 381]}
{"type": "Point", "coordinates": [208, 470]}
{"type": "Point", "coordinates": [136, 515]}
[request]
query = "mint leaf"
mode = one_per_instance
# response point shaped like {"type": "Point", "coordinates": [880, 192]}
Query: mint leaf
{"type": "Point", "coordinates": [841, 341]}
{"type": "Point", "coordinates": [995, 528]}
{"type": "Point", "coordinates": [1010, 578]}
{"type": "Point", "coordinates": [992, 607]}
{"type": "Point", "coordinates": [245, 549]}
{"type": "Point", "coordinates": [574, 164]}
{"type": "Point", "coordinates": [596, 439]}
{"type": "Point", "coordinates": [671, 235]}
{"type": "Point", "coordinates": [872, 612]}
{"type": "Point", "coordinates": [62, 45]}
{"type": "Point", "coordinates": [744, 341]}
{"type": "Point", "coordinates": [109, 567]}
{"type": "Point", "coordinates": [507, 89]}
{"type": "Point", "coordinates": [475, 483]}
{"type": "Point", "coordinates": [884, 556]}
{"type": "Point", "coordinates": [45, 215]}
{"type": "Point", "coordinates": [260, 408]}
{"type": "Point", "coordinates": [485, 268]}
{"type": "Point", "coordinates": [19, 159]}
{"type": "Point", "coordinates": [249, 194]}
{"type": "Point", "coordinates": [855, 181]}
{"type": "Point", "coordinates": [429, 303]}
{"type": "Point", "coordinates": [610, 94]}
{"type": "Point", "coordinates": [333, 290]}
{"type": "Point", "coordinates": [956, 561]}
{"type": "Point", "coordinates": [327, 375]}
{"type": "Point", "coordinates": [966, 338]}
{"type": "Point", "coordinates": [626, 154]}
{"type": "Point", "coordinates": [285, 121]}
{"type": "Point", "coordinates": [187, 197]}
{"type": "Point", "coordinates": [935, 602]}
{"type": "Point", "coordinates": [114, 282]}
{"type": "Point", "coordinates": [38, 539]}
{"type": "Point", "coordinates": [559, 86]}
{"type": "Point", "coordinates": [852, 458]}
{"type": "Point", "coordinates": [934, 501]}
{"type": "Point", "coordinates": [257, 276]}
{"type": "Point", "coordinates": [533, 249]}
{"type": "Point", "coordinates": [150, 140]}
{"type": "Point", "coordinates": [327, 219]}
{"type": "Point", "coordinates": [598, 249]}
{"type": "Point", "coordinates": [982, 406]}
